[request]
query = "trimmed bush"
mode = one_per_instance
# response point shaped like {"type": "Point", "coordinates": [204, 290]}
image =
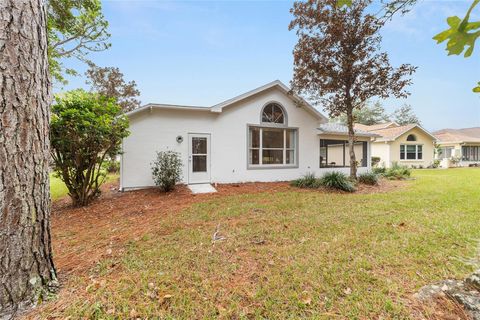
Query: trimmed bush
{"type": "Point", "coordinates": [369, 178]}
{"type": "Point", "coordinates": [337, 180]}
{"type": "Point", "coordinates": [167, 170]}
{"type": "Point", "coordinates": [307, 181]}
{"type": "Point", "coordinates": [397, 172]}
{"type": "Point", "coordinates": [375, 161]}
{"type": "Point", "coordinates": [379, 170]}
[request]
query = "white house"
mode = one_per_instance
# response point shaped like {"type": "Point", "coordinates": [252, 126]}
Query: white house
{"type": "Point", "coordinates": [265, 134]}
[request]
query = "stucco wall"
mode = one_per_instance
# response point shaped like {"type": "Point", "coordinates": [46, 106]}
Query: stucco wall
{"type": "Point", "coordinates": [156, 130]}
{"type": "Point", "coordinates": [382, 150]}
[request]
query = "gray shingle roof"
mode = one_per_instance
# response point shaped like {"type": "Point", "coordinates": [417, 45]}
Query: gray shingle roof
{"type": "Point", "coordinates": [340, 129]}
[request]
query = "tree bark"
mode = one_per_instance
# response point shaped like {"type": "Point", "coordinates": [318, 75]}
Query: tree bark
{"type": "Point", "coordinates": [26, 265]}
{"type": "Point", "coordinates": [351, 144]}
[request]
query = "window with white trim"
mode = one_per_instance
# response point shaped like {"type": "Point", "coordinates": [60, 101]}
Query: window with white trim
{"type": "Point", "coordinates": [411, 152]}
{"type": "Point", "coordinates": [272, 146]}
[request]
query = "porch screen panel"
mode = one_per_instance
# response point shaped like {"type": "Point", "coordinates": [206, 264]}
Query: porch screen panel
{"type": "Point", "coordinates": [335, 153]}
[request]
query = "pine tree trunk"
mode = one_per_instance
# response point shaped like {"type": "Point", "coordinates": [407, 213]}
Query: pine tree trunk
{"type": "Point", "coordinates": [351, 145]}
{"type": "Point", "coordinates": [26, 266]}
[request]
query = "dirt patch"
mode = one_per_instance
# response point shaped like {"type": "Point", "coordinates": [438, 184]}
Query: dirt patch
{"type": "Point", "coordinates": [382, 187]}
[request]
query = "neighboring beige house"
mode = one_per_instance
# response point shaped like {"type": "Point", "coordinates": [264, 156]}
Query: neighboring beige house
{"type": "Point", "coordinates": [409, 145]}
{"type": "Point", "coordinates": [459, 145]}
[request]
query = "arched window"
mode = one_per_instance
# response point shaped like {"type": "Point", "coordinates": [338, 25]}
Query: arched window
{"type": "Point", "coordinates": [411, 137]}
{"type": "Point", "coordinates": [273, 113]}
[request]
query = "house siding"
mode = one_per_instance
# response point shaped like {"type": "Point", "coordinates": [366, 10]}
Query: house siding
{"type": "Point", "coordinates": [156, 130]}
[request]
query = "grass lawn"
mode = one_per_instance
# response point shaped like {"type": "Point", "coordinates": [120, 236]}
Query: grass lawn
{"type": "Point", "coordinates": [58, 189]}
{"type": "Point", "coordinates": [287, 255]}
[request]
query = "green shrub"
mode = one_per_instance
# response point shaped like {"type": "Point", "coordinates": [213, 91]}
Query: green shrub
{"type": "Point", "coordinates": [436, 163]}
{"type": "Point", "coordinates": [85, 130]}
{"type": "Point", "coordinates": [167, 170]}
{"type": "Point", "coordinates": [375, 161]}
{"type": "Point", "coordinates": [111, 166]}
{"type": "Point", "coordinates": [397, 172]}
{"type": "Point", "coordinates": [369, 178]}
{"type": "Point", "coordinates": [337, 180]}
{"type": "Point", "coordinates": [307, 181]}
{"type": "Point", "coordinates": [379, 170]}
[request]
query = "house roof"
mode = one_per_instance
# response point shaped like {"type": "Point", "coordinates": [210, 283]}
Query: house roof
{"type": "Point", "coordinates": [392, 133]}
{"type": "Point", "coordinates": [458, 135]}
{"type": "Point", "coordinates": [218, 108]}
{"type": "Point", "coordinates": [375, 126]}
{"type": "Point", "coordinates": [340, 129]}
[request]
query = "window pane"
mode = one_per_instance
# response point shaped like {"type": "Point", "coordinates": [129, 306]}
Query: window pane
{"type": "Point", "coordinates": [290, 139]}
{"type": "Point", "coordinates": [199, 145]}
{"type": "Point", "coordinates": [272, 138]}
{"type": "Point", "coordinates": [199, 163]}
{"type": "Point", "coordinates": [255, 137]}
{"type": "Point", "coordinates": [411, 148]}
{"type": "Point", "coordinates": [402, 152]}
{"type": "Point", "coordinates": [290, 157]}
{"type": "Point", "coordinates": [272, 157]}
{"type": "Point", "coordinates": [411, 152]}
{"type": "Point", "coordinates": [323, 156]}
{"type": "Point", "coordinates": [273, 113]}
{"type": "Point", "coordinates": [336, 154]}
{"type": "Point", "coordinates": [254, 156]}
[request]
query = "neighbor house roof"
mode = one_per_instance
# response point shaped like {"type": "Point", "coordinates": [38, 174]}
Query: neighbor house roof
{"type": "Point", "coordinates": [458, 135]}
{"type": "Point", "coordinates": [375, 126]}
{"type": "Point", "coordinates": [340, 129]}
{"type": "Point", "coordinates": [218, 108]}
{"type": "Point", "coordinates": [391, 134]}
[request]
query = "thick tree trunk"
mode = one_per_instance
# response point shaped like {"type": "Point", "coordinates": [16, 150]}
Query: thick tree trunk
{"type": "Point", "coordinates": [26, 266]}
{"type": "Point", "coordinates": [351, 144]}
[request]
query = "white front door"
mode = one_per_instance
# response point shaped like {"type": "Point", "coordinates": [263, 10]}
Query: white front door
{"type": "Point", "coordinates": [198, 158]}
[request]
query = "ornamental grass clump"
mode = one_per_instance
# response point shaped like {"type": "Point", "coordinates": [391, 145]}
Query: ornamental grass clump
{"type": "Point", "coordinates": [307, 181]}
{"type": "Point", "coordinates": [368, 178]}
{"type": "Point", "coordinates": [397, 172]}
{"type": "Point", "coordinates": [337, 180]}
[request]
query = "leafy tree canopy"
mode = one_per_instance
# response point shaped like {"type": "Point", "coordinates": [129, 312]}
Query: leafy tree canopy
{"type": "Point", "coordinates": [108, 81]}
{"type": "Point", "coordinates": [368, 115]}
{"type": "Point", "coordinates": [405, 115]}
{"type": "Point", "coordinates": [338, 62]}
{"type": "Point", "coordinates": [74, 28]}
{"type": "Point", "coordinates": [85, 129]}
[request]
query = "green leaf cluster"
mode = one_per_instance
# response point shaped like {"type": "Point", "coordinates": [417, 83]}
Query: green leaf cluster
{"type": "Point", "coordinates": [461, 36]}
{"type": "Point", "coordinates": [85, 131]}
{"type": "Point", "coordinates": [74, 29]}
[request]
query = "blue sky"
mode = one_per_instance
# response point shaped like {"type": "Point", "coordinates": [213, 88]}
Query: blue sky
{"type": "Point", "coordinates": [201, 53]}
